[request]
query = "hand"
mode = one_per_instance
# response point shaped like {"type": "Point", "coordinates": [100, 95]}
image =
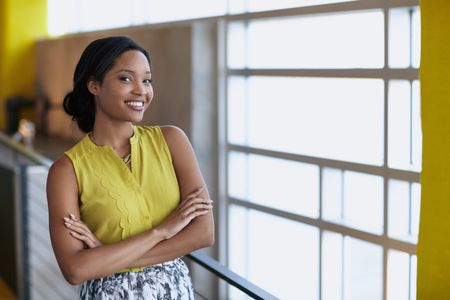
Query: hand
{"type": "Point", "coordinates": [190, 208]}
{"type": "Point", "coordinates": [80, 231]}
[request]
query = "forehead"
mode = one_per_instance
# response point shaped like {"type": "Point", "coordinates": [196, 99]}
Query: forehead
{"type": "Point", "coordinates": [132, 59]}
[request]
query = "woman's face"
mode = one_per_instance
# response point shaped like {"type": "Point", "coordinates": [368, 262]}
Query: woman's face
{"type": "Point", "coordinates": [126, 90]}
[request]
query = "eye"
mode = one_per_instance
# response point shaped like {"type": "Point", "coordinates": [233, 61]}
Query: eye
{"type": "Point", "coordinates": [125, 78]}
{"type": "Point", "coordinates": [147, 81]}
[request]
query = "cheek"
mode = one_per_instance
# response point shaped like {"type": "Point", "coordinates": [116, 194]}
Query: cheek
{"type": "Point", "coordinates": [150, 93]}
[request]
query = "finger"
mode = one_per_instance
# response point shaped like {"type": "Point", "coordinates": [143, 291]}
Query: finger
{"type": "Point", "coordinates": [78, 236]}
{"type": "Point", "coordinates": [195, 193]}
{"type": "Point", "coordinates": [84, 239]}
{"type": "Point", "coordinates": [194, 208]}
{"type": "Point", "coordinates": [79, 229]}
{"type": "Point", "coordinates": [195, 201]}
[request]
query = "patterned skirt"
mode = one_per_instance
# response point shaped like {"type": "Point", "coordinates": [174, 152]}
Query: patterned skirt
{"type": "Point", "coordinates": [166, 281]}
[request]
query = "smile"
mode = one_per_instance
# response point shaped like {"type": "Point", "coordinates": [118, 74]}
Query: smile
{"type": "Point", "coordinates": [134, 103]}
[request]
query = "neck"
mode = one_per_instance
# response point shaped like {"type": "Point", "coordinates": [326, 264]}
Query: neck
{"type": "Point", "coordinates": [115, 136]}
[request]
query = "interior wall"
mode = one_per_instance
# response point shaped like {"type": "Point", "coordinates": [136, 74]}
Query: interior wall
{"type": "Point", "coordinates": [433, 250]}
{"type": "Point", "coordinates": [21, 23]}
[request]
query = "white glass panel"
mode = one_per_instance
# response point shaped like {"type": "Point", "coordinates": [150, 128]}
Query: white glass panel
{"type": "Point", "coordinates": [399, 126]}
{"type": "Point", "coordinates": [170, 10]}
{"type": "Point", "coordinates": [363, 266]}
{"type": "Point", "coordinates": [237, 110]}
{"type": "Point", "coordinates": [363, 201]}
{"type": "Point", "coordinates": [404, 128]}
{"type": "Point", "coordinates": [416, 38]}
{"type": "Point", "coordinates": [335, 41]}
{"type": "Point", "coordinates": [332, 180]}
{"type": "Point", "coordinates": [238, 175]}
{"type": "Point", "coordinates": [398, 212]}
{"type": "Point", "coordinates": [404, 210]}
{"type": "Point", "coordinates": [63, 16]}
{"type": "Point", "coordinates": [236, 45]}
{"type": "Point", "coordinates": [399, 38]}
{"type": "Point", "coordinates": [398, 275]}
{"type": "Point", "coordinates": [237, 6]}
{"type": "Point", "coordinates": [259, 5]}
{"type": "Point", "coordinates": [284, 184]}
{"type": "Point", "coordinates": [284, 256]}
{"type": "Point", "coordinates": [333, 118]}
{"type": "Point", "coordinates": [237, 244]}
{"type": "Point", "coordinates": [332, 245]}
{"type": "Point", "coordinates": [415, 210]}
{"type": "Point", "coordinates": [94, 16]}
{"type": "Point", "coordinates": [413, 283]}
{"type": "Point", "coordinates": [234, 293]}
{"type": "Point", "coordinates": [416, 128]}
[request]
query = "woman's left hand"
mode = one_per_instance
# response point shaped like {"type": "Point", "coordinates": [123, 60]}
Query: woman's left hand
{"type": "Point", "coordinates": [80, 231]}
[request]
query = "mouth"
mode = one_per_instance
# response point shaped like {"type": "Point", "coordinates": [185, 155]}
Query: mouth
{"type": "Point", "coordinates": [136, 105]}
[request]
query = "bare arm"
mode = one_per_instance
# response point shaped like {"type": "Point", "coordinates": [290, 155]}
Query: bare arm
{"type": "Point", "coordinates": [200, 232]}
{"type": "Point", "coordinates": [79, 264]}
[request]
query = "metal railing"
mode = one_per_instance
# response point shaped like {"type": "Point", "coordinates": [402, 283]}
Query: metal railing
{"type": "Point", "coordinates": [208, 263]}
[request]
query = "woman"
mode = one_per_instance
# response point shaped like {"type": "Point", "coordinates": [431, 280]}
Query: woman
{"type": "Point", "coordinates": [138, 190]}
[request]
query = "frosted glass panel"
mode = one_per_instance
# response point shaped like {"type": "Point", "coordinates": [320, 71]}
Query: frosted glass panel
{"type": "Point", "coordinates": [404, 129]}
{"type": "Point", "coordinates": [363, 267]}
{"type": "Point", "coordinates": [335, 41]}
{"type": "Point", "coordinates": [332, 189]}
{"type": "Point", "coordinates": [415, 209]}
{"type": "Point", "coordinates": [399, 38]}
{"type": "Point", "coordinates": [399, 208]}
{"type": "Point", "coordinates": [416, 37]}
{"type": "Point", "coordinates": [413, 283]}
{"type": "Point", "coordinates": [170, 10]}
{"type": "Point", "coordinates": [363, 201]}
{"type": "Point", "coordinates": [273, 182]}
{"type": "Point", "coordinates": [353, 199]}
{"type": "Point", "coordinates": [237, 244]}
{"type": "Point", "coordinates": [236, 45]}
{"type": "Point", "coordinates": [94, 16]}
{"type": "Point", "coordinates": [332, 118]}
{"type": "Point", "coordinates": [416, 128]}
{"type": "Point", "coordinates": [332, 256]}
{"type": "Point", "coordinates": [237, 110]}
{"type": "Point", "coordinates": [237, 237]}
{"type": "Point", "coordinates": [284, 184]}
{"type": "Point", "coordinates": [398, 275]}
{"type": "Point", "coordinates": [404, 210]}
{"type": "Point", "coordinates": [237, 175]}
{"type": "Point", "coordinates": [286, 264]}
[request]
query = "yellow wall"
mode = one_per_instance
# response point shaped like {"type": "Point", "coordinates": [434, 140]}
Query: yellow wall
{"type": "Point", "coordinates": [21, 23]}
{"type": "Point", "coordinates": [434, 237]}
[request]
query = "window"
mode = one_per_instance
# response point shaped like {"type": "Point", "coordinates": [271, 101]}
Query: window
{"type": "Point", "coordinates": [323, 147]}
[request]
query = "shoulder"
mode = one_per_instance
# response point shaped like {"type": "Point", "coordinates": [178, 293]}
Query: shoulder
{"type": "Point", "coordinates": [62, 166]}
{"type": "Point", "coordinates": [173, 133]}
{"type": "Point", "coordinates": [61, 170]}
{"type": "Point", "coordinates": [175, 137]}
{"type": "Point", "coordinates": [177, 142]}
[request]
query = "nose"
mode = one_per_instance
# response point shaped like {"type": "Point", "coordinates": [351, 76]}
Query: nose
{"type": "Point", "coordinates": [139, 89]}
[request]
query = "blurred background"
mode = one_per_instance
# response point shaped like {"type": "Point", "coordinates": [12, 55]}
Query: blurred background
{"type": "Point", "coordinates": [305, 116]}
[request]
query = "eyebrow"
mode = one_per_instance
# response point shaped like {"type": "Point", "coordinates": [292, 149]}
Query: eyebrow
{"type": "Point", "coordinates": [130, 71]}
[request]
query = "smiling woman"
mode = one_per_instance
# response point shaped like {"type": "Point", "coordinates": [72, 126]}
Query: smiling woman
{"type": "Point", "coordinates": [126, 201]}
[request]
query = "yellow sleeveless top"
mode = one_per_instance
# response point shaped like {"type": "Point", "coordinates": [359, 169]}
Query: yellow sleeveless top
{"type": "Point", "coordinates": [116, 202]}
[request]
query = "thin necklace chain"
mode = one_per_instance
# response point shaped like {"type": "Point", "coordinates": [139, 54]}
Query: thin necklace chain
{"type": "Point", "coordinates": [126, 159]}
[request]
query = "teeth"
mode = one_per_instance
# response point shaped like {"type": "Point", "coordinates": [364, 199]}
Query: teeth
{"type": "Point", "coordinates": [135, 103]}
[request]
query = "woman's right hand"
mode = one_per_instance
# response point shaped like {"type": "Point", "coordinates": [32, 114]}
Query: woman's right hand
{"type": "Point", "coordinates": [190, 208]}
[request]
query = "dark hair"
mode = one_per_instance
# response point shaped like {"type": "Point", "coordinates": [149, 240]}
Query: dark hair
{"type": "Point", "coordinates": [97, 59]}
